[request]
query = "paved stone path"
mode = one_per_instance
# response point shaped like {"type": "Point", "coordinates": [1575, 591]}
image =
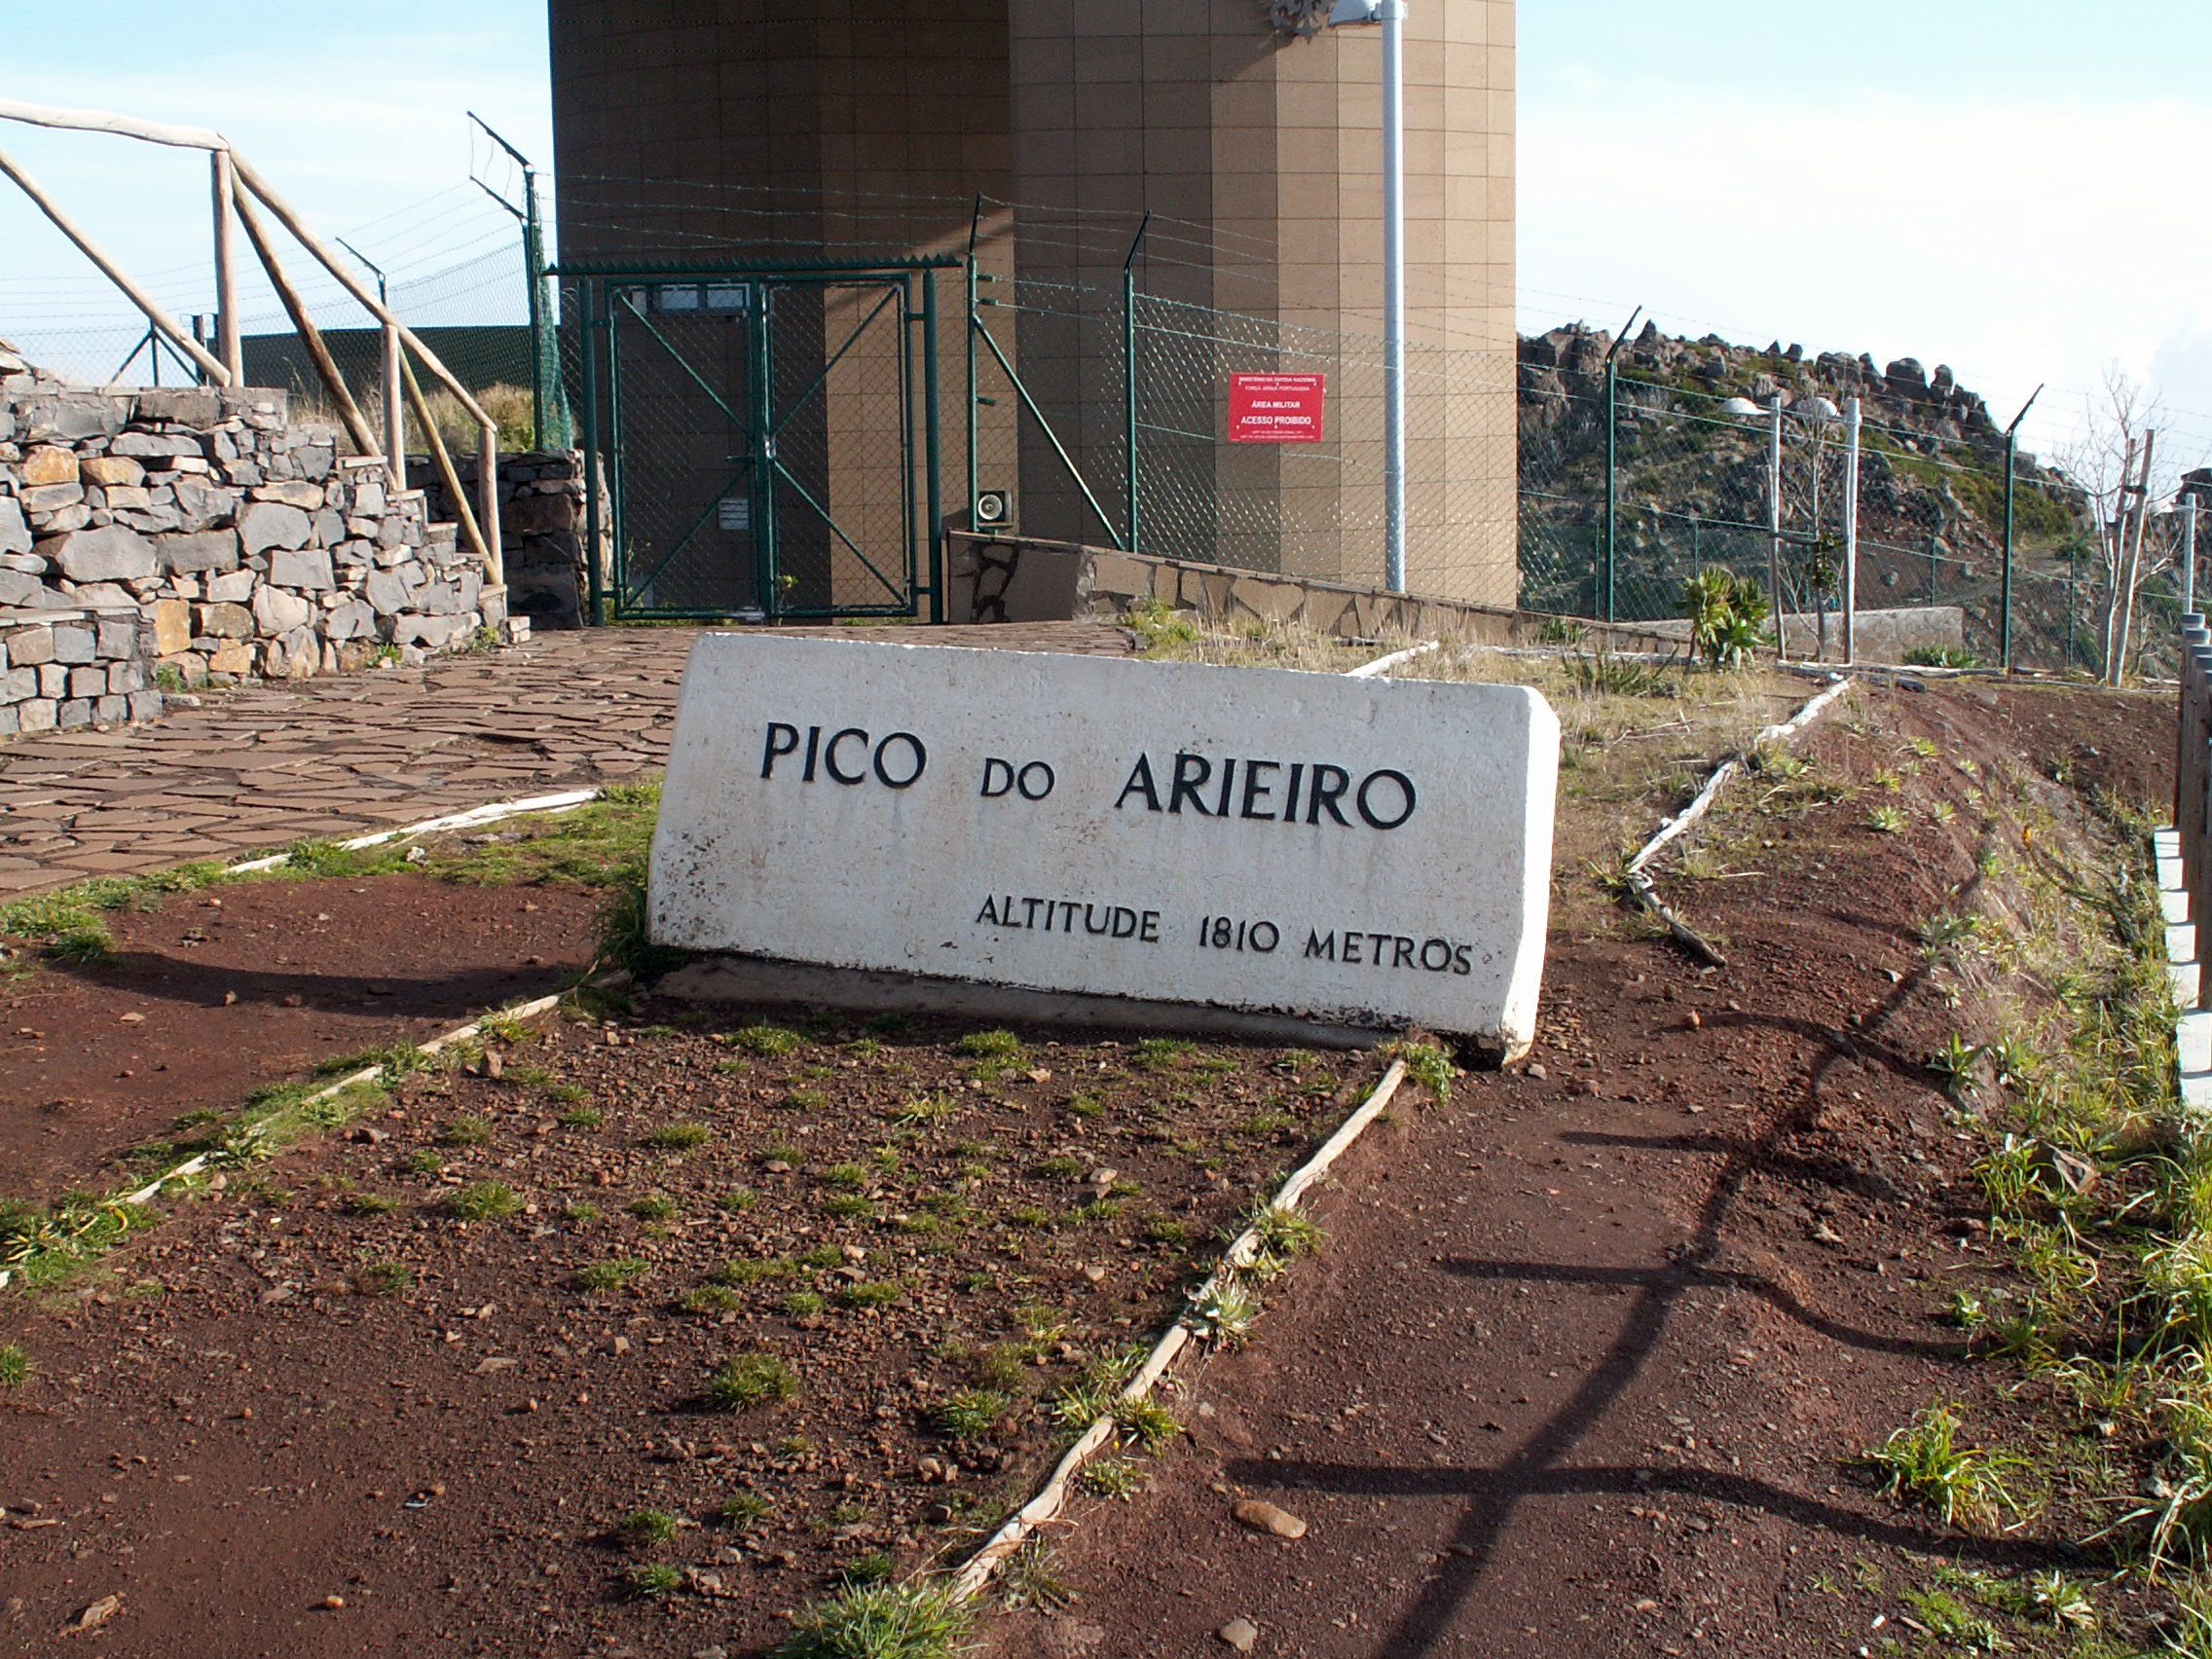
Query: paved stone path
{"type": "Point", "coordinates": [266, 765]}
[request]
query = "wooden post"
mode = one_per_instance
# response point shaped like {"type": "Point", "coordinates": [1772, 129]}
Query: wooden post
{"type": "Point", "coordinates": [1851, 533]}
{"type": "Point", "coordinates": [488, 505]}
{"type": "Point", "coordinates": [227, 345]}
{"type": "Point", "coordinates": [2134, 553]}
{"type": "Point", "coordinates": [356, 424]}
{"type": "Point", "coordinates": [376, 308]}
{"type": "Point", "coordinates": [108, 267]}
{"type": "Point", "coordinates": [443, 461]}
{"type": "Point", "coordinates": [394, 411]}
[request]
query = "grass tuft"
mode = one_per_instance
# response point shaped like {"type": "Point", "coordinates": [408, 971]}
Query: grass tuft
{"type": "Point", "coordinates": [647, 1527]}
{"type": "Point", "coordinates": [1428, 1065]}
{"type": "Point", "coordinates": [625, 929]}
{"type": "Point", "coordinates": [612, 1274]}
{"type": "Point", "coordinates": [651, 1582]}
{"type": "Point", "coordinates": [483, 1201]}
{"type": "Point", "coordinates": [1924, 1463]}
{"type": "Point", "coordinates": [919, 1619]}
{"type": "Point", "coordinates": [966, 1413]}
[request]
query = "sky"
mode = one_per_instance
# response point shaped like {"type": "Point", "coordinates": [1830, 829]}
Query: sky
{"type": "Point", "coordinates": [2002, 185]}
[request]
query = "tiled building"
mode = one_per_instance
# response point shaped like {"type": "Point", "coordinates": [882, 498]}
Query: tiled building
{"type": "Point", "coordinates": [813, 127]}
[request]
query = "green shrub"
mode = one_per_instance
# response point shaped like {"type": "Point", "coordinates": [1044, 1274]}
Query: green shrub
{"type": "Point", "coordinates": [1728, 615]}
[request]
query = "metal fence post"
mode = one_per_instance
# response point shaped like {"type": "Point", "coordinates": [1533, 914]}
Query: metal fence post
{"type": "Point", "coordinates": [1612, 462]}
{"type": "Point", "coordinates": [548, 432]}
{"type": "Point", "coordinates": [968, 327]}
{"type": "Point", "coordinates": [1850, 531]}
{"type": "Point", "coordinates": [1774, 526]}
{"type": "Point", "coordinates": [2005, 605]}
{"type": "Point", "coordinates": [595, 611]}
{"type": "Point", "coordinates": [2188, 715]}
{"type": "Point", "coordinates": [2005, 629]}
{"type": "Point", "coordinates": [2188, 558]}
{"type": "Point", "coordinates": [934, 451]}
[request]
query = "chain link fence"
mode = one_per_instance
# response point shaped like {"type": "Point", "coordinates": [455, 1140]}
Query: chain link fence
{"type": "Point", "coordinates": [1106, 415]}
{"type": "Point", "coordinates": [1626, 491]}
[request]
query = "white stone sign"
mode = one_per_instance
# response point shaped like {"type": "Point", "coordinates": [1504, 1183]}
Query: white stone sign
{"type": "Point", "coordinates": [1355, 852]}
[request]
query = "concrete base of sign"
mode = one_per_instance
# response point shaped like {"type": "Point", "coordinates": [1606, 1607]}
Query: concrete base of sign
{"type": "Point", "coordinates": [750, 983]}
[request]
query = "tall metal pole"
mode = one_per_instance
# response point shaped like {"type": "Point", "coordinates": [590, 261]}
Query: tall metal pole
{"type": "Point", "coordinates": [227, 344]}
{"type": "Point", "coordinates": [968, 345]}
{"type": "Point", "coordinates": [1850, 530]}
{"type": "Point", "coordinates": [533, 269]}
{"type": "Point", "coordinates": [587, 330]}
{"type": "Point", "coordinates": [1392, 14]}
{"type": "Point", "coordinates": [2011, 449]}
{"type": "Point", "coordinates": [1774, 524]}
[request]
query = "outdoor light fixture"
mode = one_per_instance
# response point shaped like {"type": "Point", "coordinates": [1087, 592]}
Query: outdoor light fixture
{"type": "Point", "coordinates": [1391, 15]}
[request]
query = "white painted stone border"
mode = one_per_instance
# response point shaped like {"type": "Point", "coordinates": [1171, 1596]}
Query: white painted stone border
{"type": "Point", "coordinates": [194, 1165]}
{"type": "Point", "coordinates": [1382, 665]}
{"type": "Point", "coordinates": [1812, 711]}
{"type": "Point", "coordinates": [1637, 878]}
{"type": "Point", "coordinates": [1051, 1496]}
{"type": "Point", "coordinates": [566, 801]}
{"type": "Point", "coordinates": [2193, 1025]}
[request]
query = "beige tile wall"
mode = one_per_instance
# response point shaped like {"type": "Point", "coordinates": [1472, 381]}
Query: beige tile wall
{"type": "Point", "coordinates": [832, 130]}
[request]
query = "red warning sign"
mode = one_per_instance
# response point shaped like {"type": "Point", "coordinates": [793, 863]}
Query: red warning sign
{"type": "Point", "coordinates": [1277, 409]}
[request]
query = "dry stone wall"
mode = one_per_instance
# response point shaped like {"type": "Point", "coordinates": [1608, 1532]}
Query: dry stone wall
{"type": "Point", "coordinates": [195, 535]}
{"type": "Point", "coordinates": [542, 528]}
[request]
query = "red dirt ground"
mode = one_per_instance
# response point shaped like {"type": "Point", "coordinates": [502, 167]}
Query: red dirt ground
{"type": "Point", "coordinates": [1580, 1368]}
{"type": "Point", "coordinates": [1574, 1374]}
{"type": "Point", "coordinates": [450, 1454]}
{"type": "Point", "coordinates": [220, 992]}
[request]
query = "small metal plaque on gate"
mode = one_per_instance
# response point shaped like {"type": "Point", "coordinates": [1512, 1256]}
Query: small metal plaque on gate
{"type": "Point", "coordinates": [733, 512]}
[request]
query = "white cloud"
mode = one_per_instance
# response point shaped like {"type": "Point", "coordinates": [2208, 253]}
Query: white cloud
{"type": "Point", "coordinates": [345, 151]}
{"type": "Point", "coordinates": [2020, 242]}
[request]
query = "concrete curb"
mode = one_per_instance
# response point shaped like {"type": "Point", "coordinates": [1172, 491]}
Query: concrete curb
{"type": "Point", "coordinates": [198, 1163]}
{"type": "Point", "coordinates": [568, 800]}
{"type": "Point", "coordinates": [1051, 1497]}
{"type": "Point", "coordinates": [2193, 1026]}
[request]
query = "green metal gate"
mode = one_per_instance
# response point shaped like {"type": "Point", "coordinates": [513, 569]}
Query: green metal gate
{"type": "Point", "coordinates": [765, 440]}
